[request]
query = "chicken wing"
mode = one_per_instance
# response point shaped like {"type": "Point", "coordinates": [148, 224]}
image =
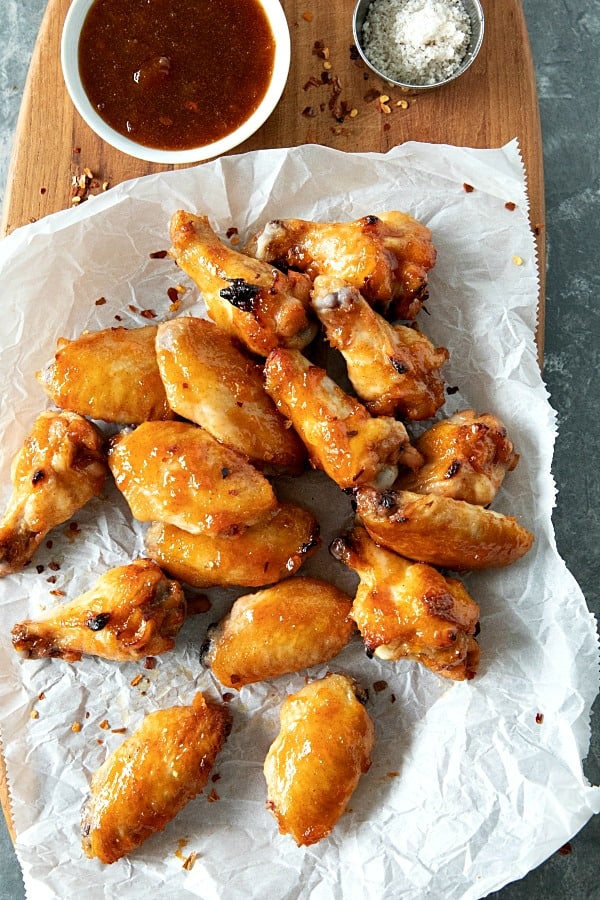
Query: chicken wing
{"type": "Point", "coordinates": [315, 763]}
{"type": "Point", "coordinates": [261, 554]}
{"type": "Point", "coordinates": [59, 468]}
{"type": "Point", "coordinates": [210, 381]}
{"type": "Point", "coordinates": [110, 375]}
{"type": "Point", "coordinates": [441, 531]}
{"type": "Point", "coordinates": [293, 625]}
{"type": "Point", "coordinates": [395, 370]}
{"type": "Point", "coordinates": [248, 298]}
{"type": "Point", "coordinates": [176, 472]}
{"type": "Point", "coordinates": [340, 435]}
{"type": "Point", "coordinates": [409, 610]}
{"type": "Point", "coordinates": [132, 611]}
{"type": "Point", "coordinates": [466, 458]}
{"type": "Point", "coordinates": [146, 781]}
{"type": "Point", "coordinates": [385, 257]}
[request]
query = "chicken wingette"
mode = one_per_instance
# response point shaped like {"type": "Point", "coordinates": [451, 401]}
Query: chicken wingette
{"type": "Point", "coordinates": [110, 375]}
{"type": "Point", "coordinates": [250, 299]}
{"type": "Point", "coordinates": [60, 466]}
{"type": "Point", "coordinates": [449, 533]}
{"type": "Point", "coordinates": [151, 776]}
{"type": "Point", "coordinates": [209, 380]}
{"type": "Point", "coordinates": [261, 554]}
{"type": "Point", "coordinates": [315, 763]}
{"type": "Point", "coordinates": [131, 612]}
{"type": "Point", "coordinates": [410, 610]}
{"type": "Point", "coordinates": [293, 625]}
{"type": "Point", "coordinates": [175, 472]}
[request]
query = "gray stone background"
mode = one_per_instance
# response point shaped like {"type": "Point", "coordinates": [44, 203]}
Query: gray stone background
{"type": "Point", "coordinates": [565, 40]}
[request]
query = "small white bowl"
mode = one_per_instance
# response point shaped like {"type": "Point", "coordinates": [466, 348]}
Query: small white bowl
{"type": "Point", "coordinates": [70, 67]}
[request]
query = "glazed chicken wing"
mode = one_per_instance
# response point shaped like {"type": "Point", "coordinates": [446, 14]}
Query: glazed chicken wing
{"type": "Point", "coordinates": [176, 472]}
{"type": "Point", "coordinates": [59, 468]}
{"type": "Point", "coordinates": [211, 382]}
{"type": "Point", "coordinates": [248, 298]}
{"type": "Point", "coordinates": [409, 610]}
{"type": "Point", "coordinates": [395, 370]}
{"type": "Point", "coordinates": [146, 781]}
{"type": "Point", "coordinates": [110, 375]}
{"type": "Point", "coordinates": [132, 611]}
{"type": "Point", "coordinates": [293, 625]}
{"type": "Point", "coordinates": [261, 554]}
{"type": "Point", "coordinates": [340, 435]}
{"type": "Point", "coordinates": [315, 763]}
{"type": "Point", "coordinates": [385, 257]}
{"type": "Point", "coordinates": [441, 531]}
{"type": "Point", "coordinates": [466, 458]}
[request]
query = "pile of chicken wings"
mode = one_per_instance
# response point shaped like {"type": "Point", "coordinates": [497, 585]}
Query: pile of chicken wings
{"type": "Point", "coordinates": [207, 411]}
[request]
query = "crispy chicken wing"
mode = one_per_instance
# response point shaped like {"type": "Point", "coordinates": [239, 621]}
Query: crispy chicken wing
{"type": "Point", "coordinates": [395, 370]}
{"type": "Point", "coordinates": [211, 382]}
{"type": "Point", "coordinates": [176, 472]}
{"type": "Point", "coordinates": [261, 554]}
{"type": "Point", "coordinates": [146, 781]}
{"type": "Point", "coordinates": [386, 257]}
{"type": "Point", "coordinates": [340, 435]}
{"type": "Point", "coordinates": [248, 298]}
{"type": "Point", "coordinates": [315, 763]}
{"type": "Point", "coordinates": [466, 457]}
{"type": "Point", "coordinates": [293, 625]}
{"type": "Point", "coordinates": [110, 375]}
{"type": "Point", "coordinates": [409, 610]}
{"type": "Point", "coordinates": [59, 468]}
{"type": "Point", "coordinates": [132, 611]}
{"type": "Point", "coordinates": [442, 531]}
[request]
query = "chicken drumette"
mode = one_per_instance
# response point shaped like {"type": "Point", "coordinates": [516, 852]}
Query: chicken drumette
{"type": "Point", "coordinates": [409, 610]}
{"type": "Point", "coordinates": [248, 298]}
{"type": "Point", "coordinates": [59, 468]}
{"type": "Point", "coordinates": [132, 611]}
{"type": "Point", "coordinates": [386, 257]}
{"type": "Point", "coordinates": [395, 370]}
{"type": "Point", "coordinates": [341, 437]}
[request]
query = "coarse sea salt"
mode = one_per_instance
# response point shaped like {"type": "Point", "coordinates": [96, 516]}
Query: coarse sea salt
{"type": "Point", "coordinates": [416, 42]}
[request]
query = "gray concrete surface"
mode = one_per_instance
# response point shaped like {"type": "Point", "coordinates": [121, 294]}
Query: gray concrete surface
{"type": "Point", "coordinates": [565, 39]}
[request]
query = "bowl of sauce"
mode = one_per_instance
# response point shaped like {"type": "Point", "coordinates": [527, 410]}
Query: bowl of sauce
{"type": "Point", "coordinates": [175, 81]}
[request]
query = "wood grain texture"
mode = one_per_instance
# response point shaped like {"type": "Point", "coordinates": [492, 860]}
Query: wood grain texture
{"type": "Point", "coordinates": [494, 102]}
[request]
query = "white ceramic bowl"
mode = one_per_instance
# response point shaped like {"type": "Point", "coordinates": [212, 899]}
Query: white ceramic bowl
{"type": "Point", "coordinates": [473, 9]}
{"type": "Point", "coordinates": [69, 60]}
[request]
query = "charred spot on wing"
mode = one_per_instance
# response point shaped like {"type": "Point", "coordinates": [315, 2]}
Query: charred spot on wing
{"type": "Point", "coordinates": [453, 469]}
{"type": "Point", "coordinates": [241, 294]}
{"type": "Point", "coordinates": [399, 365]}
{"type": "Point", "coordinates": [97, 623]}
{"type": "Point", "coordinates": [387, 499]}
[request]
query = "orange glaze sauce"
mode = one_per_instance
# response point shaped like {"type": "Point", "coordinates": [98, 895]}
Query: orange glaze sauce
{"type": "Point", "coordinates": [176, 74]}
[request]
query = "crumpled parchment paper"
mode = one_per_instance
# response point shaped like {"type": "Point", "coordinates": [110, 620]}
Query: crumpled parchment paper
{"type": "Point", "coordinates": [472, 784]}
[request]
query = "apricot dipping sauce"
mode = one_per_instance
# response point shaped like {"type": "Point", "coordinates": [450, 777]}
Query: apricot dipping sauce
{"type": "Point", "coordinates": [176, 74]}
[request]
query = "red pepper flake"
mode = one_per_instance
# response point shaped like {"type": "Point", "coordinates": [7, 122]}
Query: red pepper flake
{"type": "Point", "coordinates": [393, 774]}
{"type": "Point", "coordinates": [158, 254]}
{"type": "Point", "coordinates": [216, 777]}
{"type": "Point", "coordinates": [392, 698]}
{"type": "Point", "coordinates": [198, 604]}
{"type": "Point", "coordinates": [43, 190]}
{"type": "Point", "coordinates": [148, 314]}
{"type": "Point", "coordinates": [192, 105]}
{"type": "Point", "coordinates": [39, 569]}
{"type": "Point", "coordinates": [100, 301]}
{"type": "Point", "coordinates": [119, 318]}
{"type": "Point", "coordinates": [452, 389]}
{"type": "Point", "coordinates": [136, 680]}
{"type": "Point", "coordinates": [118, 730]}
{"type": "Point", "coordinates": [354, 54]}
{"type": "Point", "coordinates": [104, 725]}
{"type": "Point", "coordinates": [76, 150]}
{"type": "Point", "coordinates": [190, 861]}
{"type": "Point", "coordinates": [173, 295]}
{"type": "Point", "coordinates": [74, 527]}
{"type": "Point", "coordinates": [231, 232]}
{"type": "Point", "coordinates": [133, 308]}
{"type": "Point", "coordinates": [468, 187]}
{"type": "Point", "coordinates": [566, 849]}
{"type": "Point", "coordinates": [41, 696]}
{"type": "Point", "coordinates": [54, 566]}
{"type": "Point", "coordinates": [318, 49]}
{"type": "Point", "coordinates": [313, 81]}
{"type": "Point", "coordinates": [213, 796]}
{"type": "Point", "coordinates": [227, 697]}
{"type": "Point", "coordinates": [309, 112]}
{"type": "Point", "coordinates": [379, 686]}
{"type": "Point", "coordinates": [537, 229]}
{"type": "Point", "coordinates": [510, 206]}
{"type": "Point", "coordinates": [539, 718]}
{"type": "Point", "coordinates": [307, 16]}
{"type": "Point", "coordinates": [49, 545]}
{"type": "Point", "coordinates": [150, 662]}
{"type": "Point", "coordinates": [58, 593]}
{"type": "Point", "coordinates": [52, 579]}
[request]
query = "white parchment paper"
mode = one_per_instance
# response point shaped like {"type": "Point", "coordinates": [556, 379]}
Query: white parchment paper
{"type": "Point", "coordinates": [472, 784]}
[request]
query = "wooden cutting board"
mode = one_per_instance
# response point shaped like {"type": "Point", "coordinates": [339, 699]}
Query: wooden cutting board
{"type": "Point", "coordinates": [494, 102]}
